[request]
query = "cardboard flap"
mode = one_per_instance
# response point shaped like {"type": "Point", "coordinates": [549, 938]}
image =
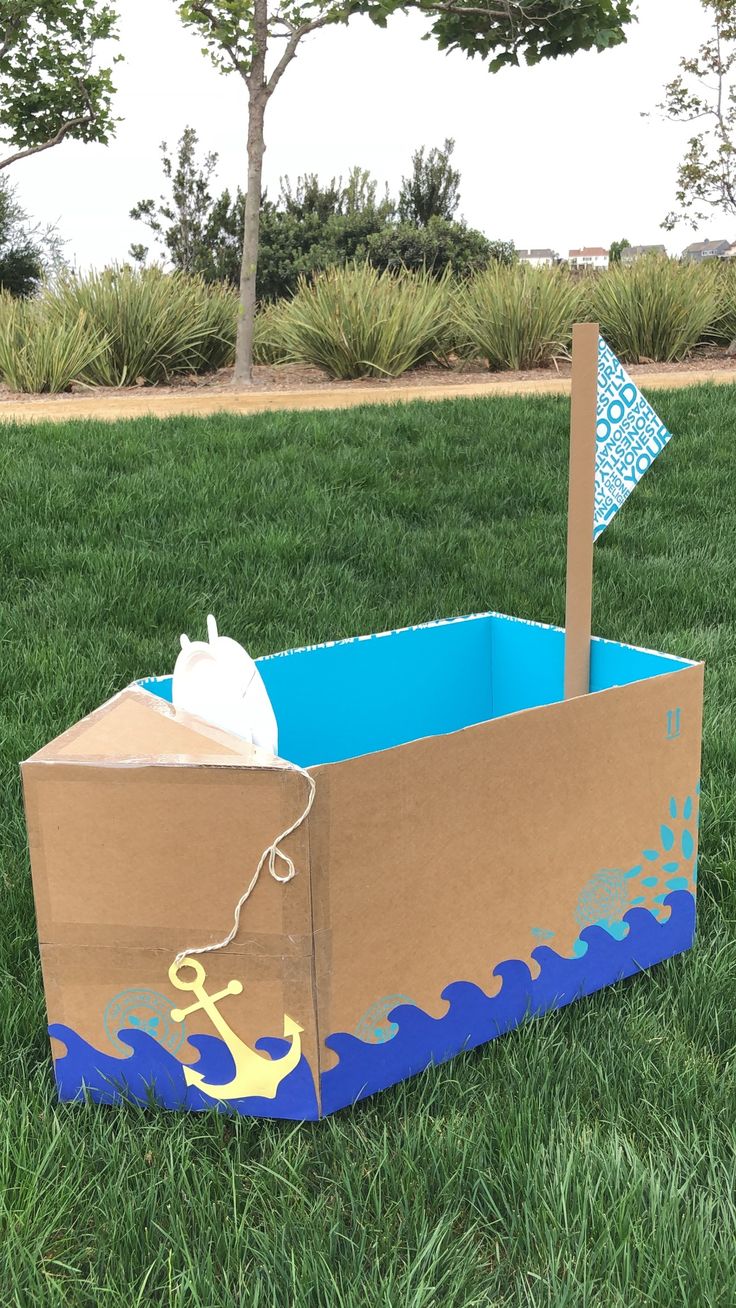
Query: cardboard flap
{"type": "Point", "coordinates": [137, 727]}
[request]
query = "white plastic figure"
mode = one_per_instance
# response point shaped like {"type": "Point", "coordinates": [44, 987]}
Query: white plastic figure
{"type": "Point", "coordinates": [218, 681]}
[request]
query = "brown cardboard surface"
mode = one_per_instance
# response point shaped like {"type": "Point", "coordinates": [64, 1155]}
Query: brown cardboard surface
{"type": "Point", "coordinates": [433, 861]}
{"type": "Point", "coordinates": [127, 851]}
{"type": "Point", "coordinates": [132, 865]}
{"type": "Point", "coordinates": [82, 986]}
{"type": "Point", "coordinates": [581, 508]}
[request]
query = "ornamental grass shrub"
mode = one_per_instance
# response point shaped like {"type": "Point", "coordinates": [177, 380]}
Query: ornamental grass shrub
{"type": "Point", "coordinates": [658, 309]}
{"type": "Point", "coordinates": [517, 317]}
{"type": "Point", "coordinates": [357, 322]}
{"type": "Point", "coordinates": [269, 341]}
{"type": "Point", "coordinates": [156, 325]}
{"type": "Point", "coordinates": [722, 330]}
{"type": "Point", "coordinates": [37, 353]}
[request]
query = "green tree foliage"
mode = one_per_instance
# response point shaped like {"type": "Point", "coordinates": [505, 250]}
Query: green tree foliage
{"type": "Point", "coordinates": [293, 247]}
{"type": "Point", "coordinates": [21, 253]}
{"type": "Point", "coordinates": [200, 232]}
{"type": "Point", "coordinates": [704, 93]}
{"type": "Point", "coordinates": [439, 245]}
{"type": "Point", "coordinates": [432, 189]}
{"type": "Point", "coordinates": [617, 249]}
{"type": "Point", "coordinates": [51, 86]}
{"type": "Point", "coordinates": [358, 195]}
{"type": "Point", "coordinates": [240, 35]}
{"type": "Point", "coordinates": [312, 226]}
{"type": "Point", "coordinates": [511, 32]}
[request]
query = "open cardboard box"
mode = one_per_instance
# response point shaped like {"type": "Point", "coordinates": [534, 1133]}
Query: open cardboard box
{"type": "Point", "coordinates": [479, 850]}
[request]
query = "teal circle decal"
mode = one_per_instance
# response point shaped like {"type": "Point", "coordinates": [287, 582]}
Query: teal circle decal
{"type": "Point", "coordinates": [374, 1027]}
{"type": "Point", "coordinates": [143, 1010]}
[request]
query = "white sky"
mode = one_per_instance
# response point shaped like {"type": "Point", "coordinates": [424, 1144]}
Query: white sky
{"type": "Point", "coordinates": [554, 155]}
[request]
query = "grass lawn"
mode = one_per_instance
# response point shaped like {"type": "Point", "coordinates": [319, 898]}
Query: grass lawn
{"type": "Point", "coordinates": [587, 1160]}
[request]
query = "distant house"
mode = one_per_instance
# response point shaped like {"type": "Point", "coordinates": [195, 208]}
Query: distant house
{"type": "Point", "coordinates": [731, 251]}
{"type": "Point", "coordinates": [590, 256]}
{"type": "Point", "coordinates": [632, 253]}
{"type": "Point", "coordinates": [538, 258]}
{"type": "Point", "coordinates": [701, 250]}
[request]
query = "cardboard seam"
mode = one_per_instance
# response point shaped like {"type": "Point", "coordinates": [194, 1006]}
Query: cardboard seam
{"type": "Point", "coordinates": [45, 943]}
{"type": "Point", "coordinates": [305, 961]}
{"type": "Point", "coordinates": [313, 973]}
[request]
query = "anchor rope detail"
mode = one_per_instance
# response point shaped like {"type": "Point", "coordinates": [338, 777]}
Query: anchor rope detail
{"type": "Point", "coordinates": [270, 855]}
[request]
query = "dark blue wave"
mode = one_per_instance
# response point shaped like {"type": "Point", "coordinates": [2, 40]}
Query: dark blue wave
{"type": "Point", "coordinates": [473, 1018]}
{"type": "Point", "coordinates": [151, 1075]}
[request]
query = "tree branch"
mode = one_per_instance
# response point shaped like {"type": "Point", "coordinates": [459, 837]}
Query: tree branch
{"type": "Point", "coordinates": [205, 12]}
{"type": "Point", "coordinates": [47, 145]}
{"type": "Point", "coordinates": [291, 47]}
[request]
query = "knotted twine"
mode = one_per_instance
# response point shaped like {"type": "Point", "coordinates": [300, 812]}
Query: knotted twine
{"type": "Point", "coordinates": [269, 856]}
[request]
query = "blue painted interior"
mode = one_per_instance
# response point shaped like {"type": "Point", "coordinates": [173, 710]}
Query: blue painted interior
{"type": "Point", "coordinates": [358, 696]}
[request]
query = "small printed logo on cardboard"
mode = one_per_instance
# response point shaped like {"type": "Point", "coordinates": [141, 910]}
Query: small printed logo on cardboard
{"type": "Point", "coordinates": [143, 1010]}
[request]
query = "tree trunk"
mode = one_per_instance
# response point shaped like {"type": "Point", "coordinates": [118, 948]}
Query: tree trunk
{"type": "Point", "coordinates": [243, 374]}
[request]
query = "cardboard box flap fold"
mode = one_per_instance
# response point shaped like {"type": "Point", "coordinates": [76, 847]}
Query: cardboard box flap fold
{"type": "Point", "coordinates": [137, 727]}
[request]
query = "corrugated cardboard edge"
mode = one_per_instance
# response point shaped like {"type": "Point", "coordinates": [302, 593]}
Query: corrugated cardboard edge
{"type": "Point", "coordinates": [228, 750]}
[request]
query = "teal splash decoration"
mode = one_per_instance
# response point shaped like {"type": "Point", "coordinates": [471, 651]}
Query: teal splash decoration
{"type": "Point", "coordinates": [604, 899]}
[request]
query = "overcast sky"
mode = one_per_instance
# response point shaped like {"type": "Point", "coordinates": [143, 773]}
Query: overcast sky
{"type": "Point", "coordinates": [555, 155]}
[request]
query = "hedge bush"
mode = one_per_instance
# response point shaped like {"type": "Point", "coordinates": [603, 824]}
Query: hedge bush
{"type": "Point", "coordinates": [38, 353]}
{"type": "Point", "coordinates": [356, 322]}
{"type": "Point", "coordinates": [156, 324]}
{"type": "Point", "coordinates": [439, 246]}
{"type": "Point", "coordinates": [124, 325]}
{"type": "Point", "coordinates": [656, 310]}
{"type": "Point", "coordinates": [517, 317]}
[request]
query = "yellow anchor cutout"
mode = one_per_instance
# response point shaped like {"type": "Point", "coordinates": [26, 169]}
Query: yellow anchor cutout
{"type": "Point", "coordinates": [255, 1074]}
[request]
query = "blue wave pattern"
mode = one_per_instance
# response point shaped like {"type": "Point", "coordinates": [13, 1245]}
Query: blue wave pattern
{"type": "Point", "coordinates": [151, 1075]}
{"type": "Point", "coordinates": [473, 1018]}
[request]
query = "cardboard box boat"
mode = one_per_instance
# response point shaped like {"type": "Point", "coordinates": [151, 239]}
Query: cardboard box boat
{"type": "Point", "coordinates": [479, 851]}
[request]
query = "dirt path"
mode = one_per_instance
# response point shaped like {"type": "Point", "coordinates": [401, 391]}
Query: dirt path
{"type": "Point", "coordinates": [111, 407]}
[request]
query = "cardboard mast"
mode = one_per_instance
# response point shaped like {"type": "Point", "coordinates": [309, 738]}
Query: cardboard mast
{"type": "Point", "coordinates": [580, 509]}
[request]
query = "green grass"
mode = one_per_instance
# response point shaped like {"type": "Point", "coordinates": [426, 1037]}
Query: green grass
{"type": "Point", "coordinates": [584, 1161]}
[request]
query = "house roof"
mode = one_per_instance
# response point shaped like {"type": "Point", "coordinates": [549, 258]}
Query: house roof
{"type": "Point", "coordinates": [699, 247]}
{"type": "Point", "coordinates": [588, 250]}
{"type": "Point", "coordinates": [643, 249]}
{"type": "Point", "coordinates": [537, 254]}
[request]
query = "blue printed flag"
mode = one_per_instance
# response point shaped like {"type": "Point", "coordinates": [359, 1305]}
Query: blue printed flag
{"type": "Point", "coordinates": [629, 436]}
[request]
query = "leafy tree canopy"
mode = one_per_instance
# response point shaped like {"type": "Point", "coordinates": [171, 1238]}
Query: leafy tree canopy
{"type": "Point", "coordinates": [309, 227]}
{"type": "Point", "coordinates": [501, 31]}
{"type": "Point", "coordinates": [524, 31]}
{"type": "Point", "coordinates": [50, 84]}
{"type": "Point", "coordinates": [432, 189]}
{"type": "Point", "coordinates": [356, 196]}
{"type": "Point", "coordinates": [27, 252]}
{"type": "Point", "coordinates": [617, 249]}
{"type": "Point", "coordinates": [704, 93]}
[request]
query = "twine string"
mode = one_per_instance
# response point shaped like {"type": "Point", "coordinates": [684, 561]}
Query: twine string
{"type": "Point", "coordinates": [270, 856]}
